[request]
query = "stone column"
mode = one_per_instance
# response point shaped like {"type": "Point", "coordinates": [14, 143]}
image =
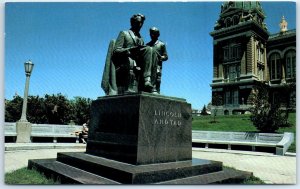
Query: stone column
{"type": "Point", "coordinates": [282, 62]}
{"type": "Point", "coordinates": [250, 56]}
{"type": "Point", "coordinates": [266, 70]}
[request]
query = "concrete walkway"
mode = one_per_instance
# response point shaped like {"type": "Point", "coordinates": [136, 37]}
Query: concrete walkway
{"type": "Point", "coordinates": [17, 157]}
{"type": "Point", "coordinates": [272, 169]}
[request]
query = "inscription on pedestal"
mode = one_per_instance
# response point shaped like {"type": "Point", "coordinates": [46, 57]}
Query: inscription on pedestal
{"type": "Point", "coordinates": [167, 118]}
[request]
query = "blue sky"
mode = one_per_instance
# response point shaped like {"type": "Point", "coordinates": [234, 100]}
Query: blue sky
{"type": "Point", "coordinates": [68, 43]}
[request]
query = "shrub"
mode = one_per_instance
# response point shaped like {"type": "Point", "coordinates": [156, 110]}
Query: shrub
{"type": "Point", "coordinates": [266, 116]}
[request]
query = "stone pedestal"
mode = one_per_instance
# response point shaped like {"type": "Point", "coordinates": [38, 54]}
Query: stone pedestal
{"type": "Point", "coordinates": [141, 129]}
{"type": "Point", "coordinates": [23, 132]}
{"type": "Point", "coordinates": [137, 139]}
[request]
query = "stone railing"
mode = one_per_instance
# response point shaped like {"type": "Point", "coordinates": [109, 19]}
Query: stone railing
{"type": "Point", "coordinates": [45, 130]}
{"type": "Point", "coordinates": [280, 142]}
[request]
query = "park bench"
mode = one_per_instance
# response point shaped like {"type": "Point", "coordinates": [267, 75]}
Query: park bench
{"type": "Point", "coordinates": [55, 131]}
{"type": "Point", "coordinates": [278, 142]}
{"type": "Point", "coordinates": [46, 131]}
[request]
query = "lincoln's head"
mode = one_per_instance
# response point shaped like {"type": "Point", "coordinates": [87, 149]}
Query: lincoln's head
{"type": "Point", "coordinates": [137, 21]}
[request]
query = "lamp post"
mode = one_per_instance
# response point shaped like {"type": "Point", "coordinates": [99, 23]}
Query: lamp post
{"type": "Point", "coordinates": [23, 126]}
{"type": "Point", "coordinates": [28, 69]}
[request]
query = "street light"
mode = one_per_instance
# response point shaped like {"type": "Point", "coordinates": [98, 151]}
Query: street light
{"type": "Point", "coordinates": [23, 126]}
{"type": "Point", "coordinates": [28, 69]}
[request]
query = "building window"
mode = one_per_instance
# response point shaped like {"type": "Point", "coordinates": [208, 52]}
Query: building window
{"type": "Point", "coordinates": [232, 97]}
{"type": "Point", "coordinates": [228, 22]}
{"type": "Point", "coordinates": [260, 54]}
{"type": "Point", "coordinates": [226, 53]}
{"type": "Point", "coordinates": [232, 72]}
{"type": "Point", "coordinates": [290, 64]}
{"type": "Point", "coordinates": [232, 52]}
{"type": "Point", "coordinates": [275, 66]}
{"type": "Point", "coordinates": [235, 20]}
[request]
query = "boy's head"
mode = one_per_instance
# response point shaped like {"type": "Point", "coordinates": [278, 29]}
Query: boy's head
{"type": "Point", "coordinates": [154, 33]}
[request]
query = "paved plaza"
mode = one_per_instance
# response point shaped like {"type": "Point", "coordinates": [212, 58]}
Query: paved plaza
{"type": "Point", "coordinates": [270, 168]}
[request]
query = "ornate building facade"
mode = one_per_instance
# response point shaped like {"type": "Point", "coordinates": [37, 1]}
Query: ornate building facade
{"type": "Point", "coordinates": [245, 54]}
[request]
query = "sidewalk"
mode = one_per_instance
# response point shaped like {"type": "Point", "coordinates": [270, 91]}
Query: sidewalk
{"type": "Point", "coordinates": [270, 168]}
{"type": "Point", "coordinates": [17, 155]}
{"type": "Point", "coordinates": [37, 146]}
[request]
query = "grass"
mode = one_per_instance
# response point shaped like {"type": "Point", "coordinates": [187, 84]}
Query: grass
{"type": "Point", "coordinates": [223, 123]}
{"type": "Point", "coordinates": [253, 180]}
{"type": "Point", "coordinates": [239, 123]}
{"type": "Point", "coordinates": [27, 176]}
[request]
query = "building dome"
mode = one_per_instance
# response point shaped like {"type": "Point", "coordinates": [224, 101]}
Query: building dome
{"type": "Point", "coordinates": [234, 13]}
{"type": "Point", "coordinates": [245, 5]}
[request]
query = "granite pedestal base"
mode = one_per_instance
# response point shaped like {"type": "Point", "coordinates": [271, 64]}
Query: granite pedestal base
{"type": "Point", "coordinates": [137, 139]}
{"type": "Point", "coordinates": [83, 168]}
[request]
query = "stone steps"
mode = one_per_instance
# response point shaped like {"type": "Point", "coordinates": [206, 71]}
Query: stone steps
{"type": "Point", "coordinates": [66, 174]}
{"type": "Point", "coordinates": [83, 168]}
{"type": "Point", "coordinates": [220, 177]}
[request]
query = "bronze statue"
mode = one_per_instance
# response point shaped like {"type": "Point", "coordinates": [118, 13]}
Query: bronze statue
{"type": "Point", "coordinates": [129, 63]}
{"type": "Point", "coordinates": [160, 49]}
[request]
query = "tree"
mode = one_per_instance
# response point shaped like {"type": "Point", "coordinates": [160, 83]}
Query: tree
{"type": "Point", "coordinates": [80, 109]}
{"type": "Point", "coordinates": [216, 101]}
{"type": "Point", "coordinates": [52, 109]}
{"type": "Point", "coordinates": [266, 116]}
{"type": "Point", "coordinates": [289, 97]}
{"type": "Point", "coordinates": [13, 109]}
{"type": "Point", "coordinates": [58, 109]}
{"type": "Point", "coordinates": [36, 110]}
{"type": "Point", "coordinates": [204, 111]}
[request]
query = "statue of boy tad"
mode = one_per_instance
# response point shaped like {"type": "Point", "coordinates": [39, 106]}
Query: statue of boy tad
{"type": "Point", "coordinates": [160, 49]}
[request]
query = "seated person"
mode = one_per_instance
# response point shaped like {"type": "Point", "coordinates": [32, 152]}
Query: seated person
{"type": "Point", "coordinates": [83, 135]}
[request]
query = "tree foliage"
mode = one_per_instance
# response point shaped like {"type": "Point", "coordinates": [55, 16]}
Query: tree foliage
{"type": "Point", "coordinates": [80, 108]}
{"type": "Point", "coordinates": [266, 117]}
{"type": "Point", "coordinates": [52, 109]}
{"type": "Point", "coordinates": [13, 109]}
{"type": "Point", "coordinates": [204, 111]}
{"type": "Point", "coordinates": [289, 97]}
{"type": "Point", "coordinates": [36, 112]}
{"type": "Point", "coordinates": [58, 109]}
{"type": "Point", "coordinates": [216, 101]}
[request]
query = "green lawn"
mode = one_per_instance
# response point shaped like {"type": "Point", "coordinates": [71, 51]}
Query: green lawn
{"type": "Point", "coordinates": [238, 123]}
{"type": "Point", "coordinates": [27, 176]}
